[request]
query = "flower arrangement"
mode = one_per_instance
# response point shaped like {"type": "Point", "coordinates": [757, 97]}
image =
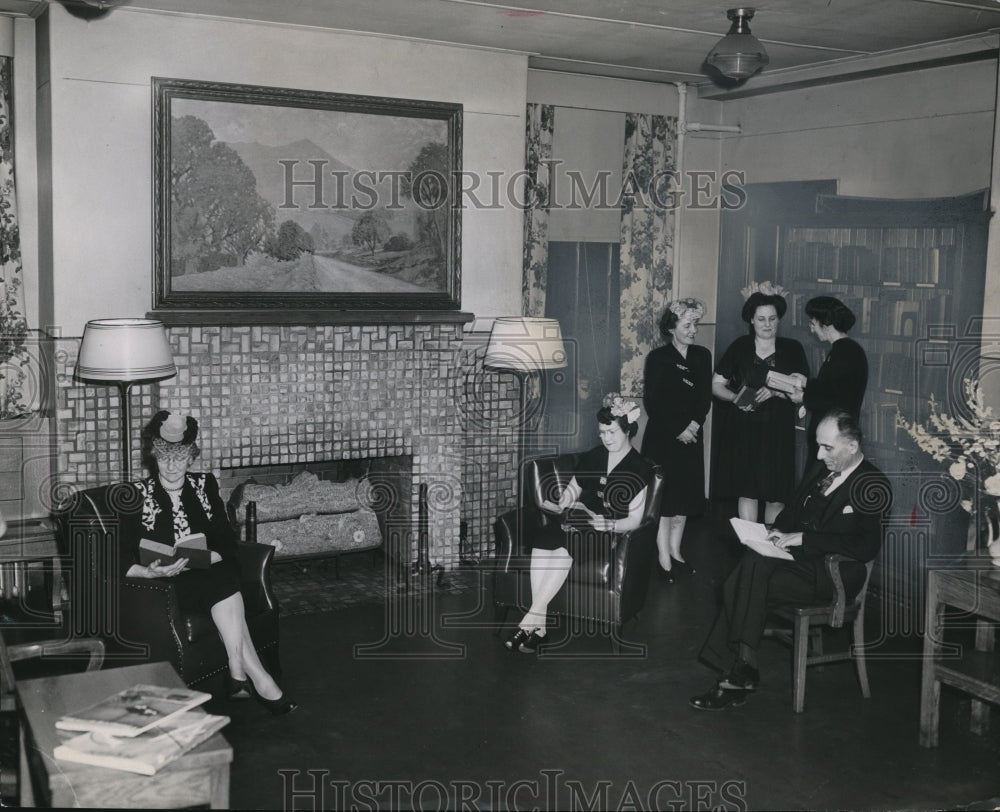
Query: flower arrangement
{"type": "Point", "coordinates": [766, 288]}
{"type": "Point", "coordinates": [681, 306]}
{"type": "Point", "coordinates": [621, 406]}
{"type": "Point", "coordinates": [971, 444]}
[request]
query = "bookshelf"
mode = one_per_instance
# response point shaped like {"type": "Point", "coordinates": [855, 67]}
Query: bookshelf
{"type": "Point", "coordinates": [913, 272]}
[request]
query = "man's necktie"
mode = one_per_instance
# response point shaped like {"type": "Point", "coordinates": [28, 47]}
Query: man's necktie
{"type": "Point", "coordinates": [826, 482]}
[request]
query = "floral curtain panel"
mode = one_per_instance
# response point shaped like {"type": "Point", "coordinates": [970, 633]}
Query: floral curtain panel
{"type": "Point", "coordinates": [537, 162]}
{"type": "Point", "coordinates": [647, 239]}
{"type": "Point", "coordinates": [13, 325]}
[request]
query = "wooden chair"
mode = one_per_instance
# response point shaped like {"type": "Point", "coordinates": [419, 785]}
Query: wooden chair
{"type": "Point", "coordinates": [806, 631]}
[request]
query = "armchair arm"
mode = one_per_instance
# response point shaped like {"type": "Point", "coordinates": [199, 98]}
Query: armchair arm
{"type": "Point", "coordinates": [255, 575]}
{"type": "Point", "coordinates": [150, 615]}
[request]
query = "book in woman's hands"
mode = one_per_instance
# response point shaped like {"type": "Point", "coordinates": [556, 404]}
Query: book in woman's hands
{"type": "Point", "coordinates": [781, 382]}
{"type": "Point", "coordinates": [147, 752]}
{"type": "Point", "coordinates": [133, 710]}
{"type": "Point", "coordinates": [747, 396]}
{"type": "Point", "coordinates": [194, 548]}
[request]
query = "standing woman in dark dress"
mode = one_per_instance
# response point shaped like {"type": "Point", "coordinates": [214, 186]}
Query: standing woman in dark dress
{"type": "Point", "coordinates": [677, 397]}
{"type": "Point", "coordinates": [757, 441]}
{"type": "Point", "coordinates": [843, 378]}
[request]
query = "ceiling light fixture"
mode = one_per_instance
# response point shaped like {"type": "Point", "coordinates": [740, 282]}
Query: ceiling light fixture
{"type": "Point", "coordinates": [739, 54]}
{"type": "Point", "coordinates": [91, 9]}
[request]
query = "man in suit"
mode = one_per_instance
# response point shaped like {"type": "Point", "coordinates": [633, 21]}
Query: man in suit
{"type": "Point", "coordinates": [840, 507]}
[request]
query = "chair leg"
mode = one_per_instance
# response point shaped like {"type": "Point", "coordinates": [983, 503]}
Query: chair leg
{"type": "Point", "coordinates": [800, 652]}
{"type": "Point", "coordinates": [859, 654]}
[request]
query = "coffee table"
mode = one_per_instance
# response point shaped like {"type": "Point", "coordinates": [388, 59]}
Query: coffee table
{"type": "Point", "coordinates": [199, 777]}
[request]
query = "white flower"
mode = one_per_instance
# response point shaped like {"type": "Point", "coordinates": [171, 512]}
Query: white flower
{"type": "Point", "coordinates": [957, 470]}
{"type": "Point", "coordinates": [992, 485]}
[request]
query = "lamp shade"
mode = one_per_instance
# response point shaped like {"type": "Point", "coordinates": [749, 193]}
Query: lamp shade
{"type": "Point", "coordinates": [525, 344]}
{"type": "Point", "coordinates": [124, 350]}
{"type": "Point", "coordinates": [739, 54]}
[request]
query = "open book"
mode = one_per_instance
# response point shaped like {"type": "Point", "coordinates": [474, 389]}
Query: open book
{"type": "Point", "coordinates": [194, 548]}
{"type": "Point", "coordinates": [133, 710]}
{"type": "Point", "coordinates": [147, 752]}
{"type": "Point", "coordinates": [754, 535]}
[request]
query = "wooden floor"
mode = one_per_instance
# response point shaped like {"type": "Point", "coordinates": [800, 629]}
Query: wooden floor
{"type": "Point", "coordinates": [412, 702]}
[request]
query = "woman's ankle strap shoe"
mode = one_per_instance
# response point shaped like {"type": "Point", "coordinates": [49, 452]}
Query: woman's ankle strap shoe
{"type": "Point", "coordinates": [282, 705]}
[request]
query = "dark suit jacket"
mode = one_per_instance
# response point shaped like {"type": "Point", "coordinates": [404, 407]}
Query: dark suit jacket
{"type": "Point", "coordinates": [853, 520]}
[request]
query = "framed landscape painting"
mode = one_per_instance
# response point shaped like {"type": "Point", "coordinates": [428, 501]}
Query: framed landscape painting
{"type": "Point", "coordinates": [291, 200]}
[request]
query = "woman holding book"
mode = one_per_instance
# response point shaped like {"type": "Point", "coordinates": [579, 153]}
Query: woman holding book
{"type": "Point", "coordinates": [843, 377]}
{"type": "Point", "coordinates": [677, 396]}
{"type": "Point", "coordinates": [756, 438]}
{"type": "Point", "coordinates": [176, 504]}
{"type": "Point", "coordinates": [606, 495]}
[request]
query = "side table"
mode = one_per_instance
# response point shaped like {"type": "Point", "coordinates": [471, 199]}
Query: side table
{"type": "Point", "coordinates": [970, 583]}
{"type": "Point", "coordinates": [199, 777]}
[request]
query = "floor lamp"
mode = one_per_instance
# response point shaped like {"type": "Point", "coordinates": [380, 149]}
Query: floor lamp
{"type": "Point", "coordinates": [125, 352]}
{"type": "Point", "coordinates": [525, 346]}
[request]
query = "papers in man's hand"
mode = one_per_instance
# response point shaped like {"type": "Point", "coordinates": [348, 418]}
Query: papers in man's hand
{"type": "Point", "coordinates": [754, 535]}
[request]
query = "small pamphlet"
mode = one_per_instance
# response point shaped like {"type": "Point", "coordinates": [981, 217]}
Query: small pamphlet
{"type": "Point", "coordinates": [194, 548]}
{"type": "Point", "coordinates": [148, 752]}
{"type": "Point", "coordinates": [755, 536]}
{"type": "Point", "coordinates": [781, 382]}
{"type": "Point", "coordinates": [133, 710]}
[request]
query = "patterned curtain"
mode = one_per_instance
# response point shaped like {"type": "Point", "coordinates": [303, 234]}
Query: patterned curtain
{"type": "Point", "coordinates": [13, 325]}
{"type": "Point", "coordinates": [537, 163]}
{"type": "Point", "coordinates": [647, 238]}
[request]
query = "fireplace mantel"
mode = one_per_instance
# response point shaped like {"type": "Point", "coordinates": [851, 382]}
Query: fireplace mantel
{"type": "Point", "coordinates": [173, 318]}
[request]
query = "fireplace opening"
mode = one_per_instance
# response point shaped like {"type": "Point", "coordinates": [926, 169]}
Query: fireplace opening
{"type": "Point", "coordinates": [326, 509]}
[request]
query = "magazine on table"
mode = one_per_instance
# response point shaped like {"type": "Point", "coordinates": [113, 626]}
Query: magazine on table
{"type": "Point", "coordinates": [194, 548]}
{"type": "Point", "coordinates": [755, 536]}
{"type": "Point", "coordinates": [147, 752]}
{"type": "Point", "coordinates": [133, 710]}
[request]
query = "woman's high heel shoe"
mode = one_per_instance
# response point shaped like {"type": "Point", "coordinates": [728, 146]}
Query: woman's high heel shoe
{"type": "Point", "coordinates": [238, 689]}
{"type": "Point", "coordinates": [282, 705]}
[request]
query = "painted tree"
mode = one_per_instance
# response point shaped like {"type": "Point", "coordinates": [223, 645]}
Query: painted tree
{"type": "Point", "coordinates": [217, 216]}
{"type": "Point", "coordinates": [426, 183]}
{"type": "Point", "coordinates": [371, 230]}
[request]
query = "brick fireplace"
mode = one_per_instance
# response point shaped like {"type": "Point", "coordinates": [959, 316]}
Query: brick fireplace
{"type": "Point", "coordinates": [288, 394]}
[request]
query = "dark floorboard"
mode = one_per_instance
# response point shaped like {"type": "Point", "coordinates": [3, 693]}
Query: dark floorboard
{"type": "Point", "coordinates": [420, 692]}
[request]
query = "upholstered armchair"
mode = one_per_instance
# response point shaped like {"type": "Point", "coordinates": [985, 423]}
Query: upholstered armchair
{"type": "Point", "coordinates": [139, 618]}
{"type": "Point", "coordinates": [606, 588]}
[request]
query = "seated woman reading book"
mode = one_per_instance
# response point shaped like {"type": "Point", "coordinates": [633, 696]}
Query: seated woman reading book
{"type": "Point", "coordinates": [176, 504]}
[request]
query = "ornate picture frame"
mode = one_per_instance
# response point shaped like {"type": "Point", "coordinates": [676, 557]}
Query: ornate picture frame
{"type": "Point", "coordinates": [279, 200]}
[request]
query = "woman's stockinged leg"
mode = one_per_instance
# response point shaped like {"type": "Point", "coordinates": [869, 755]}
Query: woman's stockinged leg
{"type": "Point", "coordinates": [663, 542]}
{"type": "Point", "coordinates": [771, 511]}
{"type": "Point", "coordinates": [549, 570]}
{"type": "Point", "coordinates": [747, 508]}
{"type": "Point", "coordinates": [229, 617]}
{"type": "Point", "coordinates": [677, 524]}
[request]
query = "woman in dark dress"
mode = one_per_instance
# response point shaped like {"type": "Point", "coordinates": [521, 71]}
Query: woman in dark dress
{"type": "Point", "coordinates": [606, 495]}
{"type": "Point", "coordinates": [757, 440]}
{"type": "Point", "coordinates": [677, 397]}
{"type": "Point", "coordinates": [843, 378]}
{"type": "Point", "coordinates": [175, 504]}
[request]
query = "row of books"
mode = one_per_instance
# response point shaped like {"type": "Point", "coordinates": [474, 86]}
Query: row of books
{"type": "Point", "coordinates": [863, 265]}
{"type": "Point", "coordinates": [140, 729]}
{"type": "Point", "coordinates": [892, 314]}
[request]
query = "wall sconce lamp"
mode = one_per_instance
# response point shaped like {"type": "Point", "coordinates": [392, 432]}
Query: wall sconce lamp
{"type": "Point", "coordinates": [525, 346]}
{"type": "Point", "coordinates": [739, 54]}
{"type": "Point", "coordinates": [125, 352]}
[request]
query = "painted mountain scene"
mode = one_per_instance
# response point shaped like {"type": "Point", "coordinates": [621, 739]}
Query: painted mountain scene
{"type": "Point", "coordinates": [273, 199]}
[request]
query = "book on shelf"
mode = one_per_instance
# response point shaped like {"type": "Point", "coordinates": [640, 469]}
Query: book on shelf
{"type": "Point", "coordinates": [133, 710]}
{"type": "Point", "coordinates": [194, 548]}
{"type": "Point", "coordinates": [149, 751]}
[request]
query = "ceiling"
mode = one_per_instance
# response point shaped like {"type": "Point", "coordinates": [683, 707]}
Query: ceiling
{"type": "Point", "coordinates": [650, 40]}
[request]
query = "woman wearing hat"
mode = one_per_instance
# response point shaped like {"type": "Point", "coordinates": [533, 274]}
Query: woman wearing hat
{"type": "Point", "coordinates": [177, 503]}
{"type": "Point", "coordinates": [677, 395]}
{"type": "Point", "coordinates": [843, 377]}
{"type": "Point", "coordinates": [755, 459]}
{"type": "Point", "coordinates": [607, 494]}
